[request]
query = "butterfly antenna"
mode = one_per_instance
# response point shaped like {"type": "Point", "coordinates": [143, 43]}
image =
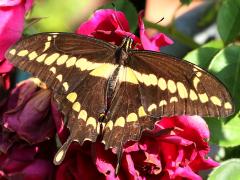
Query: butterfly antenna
{"type": "Point", "coordinates": [114, 6]}
{"type": "Point", "coordinates": [116, 17]}
{"type": "Point", "coordinates": [159, 20]}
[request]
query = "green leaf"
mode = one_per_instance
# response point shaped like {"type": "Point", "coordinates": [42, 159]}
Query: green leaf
{"type": "Point", "coordinates": [225, 135]}
{"type": "Point", "coordinates": [228, 20]}
{"type": "Point", "coordinates": [226, 66]}
{"type": "Point", "coordinates": [129, 10]}
{"type": "Point", "coordinates": [229, 170]}
{"type": "Point", "coordinates": [209, 16]}
{"type": "Point", "coordinates": [186, 1]}
{"type": "Point", "coordinates": [202, 56]}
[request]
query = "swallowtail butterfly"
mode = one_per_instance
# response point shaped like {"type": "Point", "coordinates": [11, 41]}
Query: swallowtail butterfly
{"type": "Point", "coordinates": [115, 92]}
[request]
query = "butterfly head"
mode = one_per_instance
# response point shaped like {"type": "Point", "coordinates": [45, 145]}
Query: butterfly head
{"type": "Point", "coordinates": [126, 44]}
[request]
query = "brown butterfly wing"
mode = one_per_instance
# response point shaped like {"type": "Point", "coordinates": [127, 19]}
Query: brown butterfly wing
{"type": "Point", "coordinates": [67, 64]}
{"type": "Point", "coordinates": [169, 86]}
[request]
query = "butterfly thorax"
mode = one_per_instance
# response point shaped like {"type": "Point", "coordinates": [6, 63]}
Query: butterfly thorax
{"type": "Point", "coordinates": [122, 58]}
{"type": "Point", "coordinates": [122, 51]}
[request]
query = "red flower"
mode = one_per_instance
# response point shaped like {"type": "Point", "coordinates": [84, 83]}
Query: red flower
{"type": "Point", "coordinates": [112, 26]}
{"type": "Point", "coordinates": [176, 154]}
{"type": "Point", "coordinates": [12, 15]}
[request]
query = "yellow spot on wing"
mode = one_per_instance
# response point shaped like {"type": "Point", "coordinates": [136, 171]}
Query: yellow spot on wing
{"type": "Point", "coordinates": [53, 70]}
{"type": "Point", "coordinates": [12, 51]}
{"type": "Point", "coordinates": [59, 77]}
{"type": "Point", "coordinates": [193, 96]}
{"type": "Point", "coordinates": [71, 61]}
{"type": "Point", "coordinates": [130, 76]}
{"type": "Point", "coordinates": [203, 97]}
{"type": "Point", "coordinates": [51, 59]}
{"type": "Point", "coordinates": [138, 75]}
{"type": "Point", "coordinates": [153, 79]}
{"type": "Point", "coordinates": [72, 97]}
{"type": "Point", "coordinates": [196, 80]}
{"type": "Point", "coordinates": [62, 59]}
{"type": "Point", "coordinates": [198, 74]}
{"type": "Point", "coordinates": [41, 58]}
{"type": "Point", "coordinates": [162, 84]}
{"type": "Point", "coordinates": [82, 115]}
{"type": "Point", "coordinates": [152, 107]}
{"type": "Point", "coordinates": [49, 38]}
{"type": "Point", "coordinates": [162, 103]}
{"type": "Point", "coordinates": [76, 106]}
{"type": "Point", "coordinates": [171, 86]}
{"type": "Point", "coordinates": [93, 66]}
{"type": "Point", "coordinates": [126, 74]}
{"type": "Point", "coordinates": [146, 80]}
{"type": "Point", "coordinates": [22, 53]}
{"type": "Point", "coordinates": [109, 125]}
{"type": "Point", "coordinates": [173, 99]}
{"type": "Point", "coordinates": [132, 117]}
{"type": "Point", "coordinates": [66, 86]}
{"type": "Point", "coordinates": [59, 156]}
{"type": "Point", "coordinates": [32, 55]}
{"type": "Point", "coordinates": [227, 105]}
{"type": "Point", "coordinates": [82, 64]}
{"type": "Point", "coordinates": [104, 70]}
{"type": "Point", "coordinates": [216, 101]}
{"type": "Point", "coordinates": [92, 121]}
{"type": "Point", "coordinates": [120, 122]}
{"type": "Point", "coordinates": [182, 90]}
{"type": "Point", "coordinates": [47, 45]}
{"type": "Point", "coordinates": [141, 112]}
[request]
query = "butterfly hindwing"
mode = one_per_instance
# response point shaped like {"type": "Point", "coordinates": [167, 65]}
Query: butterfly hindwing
{"type": "Point", "coordinates": [126, 116]}
{"type": "Point", "coordinates": [170, 86]}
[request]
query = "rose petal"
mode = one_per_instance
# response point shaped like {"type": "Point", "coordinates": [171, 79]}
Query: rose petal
{"type": "Point", "coordinates": [108, 25]}
{"type": "Point", "coordinates": [31, 122]}
{"type": "Point", "coordinates": [7, 3]}
{"type": "Point", "coordinates": [154, 43]}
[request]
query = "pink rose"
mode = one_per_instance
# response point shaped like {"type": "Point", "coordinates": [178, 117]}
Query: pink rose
{"type": "Point", "coordinates": [177, 154]}
{"type": "Point", "coordinates": [12, 13]}
{"type": "Point", "coordinates": [112, 26]}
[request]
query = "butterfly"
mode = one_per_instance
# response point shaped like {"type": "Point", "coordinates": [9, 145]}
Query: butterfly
{"type": "Point", "coordinates": [115, 93]}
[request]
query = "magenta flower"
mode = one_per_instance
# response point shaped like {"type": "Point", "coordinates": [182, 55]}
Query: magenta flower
{"type": "Point", "coordinates": [12, 13]}
{"type": "Point", "coordinates": [179, 152]}
{"type": "Point", "coordinates": [112, 26]}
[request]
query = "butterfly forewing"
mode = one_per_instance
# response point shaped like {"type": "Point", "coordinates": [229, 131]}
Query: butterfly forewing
{"type": "Point", "coordinates": [70, 65]}
{"type": "Point", "coordinates": [63, 61]}
{"type": "Point", "coordinates": [170, 86]}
